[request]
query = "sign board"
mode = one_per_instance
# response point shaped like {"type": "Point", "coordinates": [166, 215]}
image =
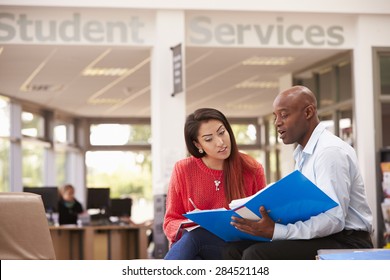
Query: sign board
{"type": "Point", "coordinates": [177, 69]}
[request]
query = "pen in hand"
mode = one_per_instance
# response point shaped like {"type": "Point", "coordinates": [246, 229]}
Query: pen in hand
{"type": "Point", "coordinates": [193, 204]}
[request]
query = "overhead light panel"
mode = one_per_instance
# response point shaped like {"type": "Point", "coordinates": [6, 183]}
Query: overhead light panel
{"type": "Point", "coordinates": [268, 61]}
{"type": "Point", "coordinates": [41, 88]}
{"type": "Point", "coordinates": [254, 84]}
{"type": "Point", "coordinates": [113, 72]}
{"type": "Point", "coordinates": [93, 71]}
{"type": "Point", "coordinates": [104, 101]}
{"type": "Point", "coordinates": [27, 85]}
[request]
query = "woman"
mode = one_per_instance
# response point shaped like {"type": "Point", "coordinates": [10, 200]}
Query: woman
{"type": "Point", "coordinates": [211, 178]}
{"type": "Point", "coordinates": [68, 206]}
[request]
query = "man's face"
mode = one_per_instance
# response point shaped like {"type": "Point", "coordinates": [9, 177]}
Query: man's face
{"type": "Point", "coordinates": [290, 120]}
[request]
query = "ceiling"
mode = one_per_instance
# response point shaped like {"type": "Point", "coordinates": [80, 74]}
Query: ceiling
{"type": "Point", "coordinates": [55, 76]}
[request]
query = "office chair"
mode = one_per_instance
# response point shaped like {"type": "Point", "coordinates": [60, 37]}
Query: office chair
{"type": "Point", "coordinates": [24, 230]}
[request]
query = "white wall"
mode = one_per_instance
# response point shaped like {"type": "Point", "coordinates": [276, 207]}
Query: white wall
{"type": "Point", "coordinates": [328, 6]}
{"type": "Point", "coordinates": [370, 33]}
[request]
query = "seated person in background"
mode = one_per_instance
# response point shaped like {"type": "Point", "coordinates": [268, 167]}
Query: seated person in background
{"type": "Point", "coordinates": [68, 206]}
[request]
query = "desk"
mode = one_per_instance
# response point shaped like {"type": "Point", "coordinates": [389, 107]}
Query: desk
{"type": "Point", "coordinates": [105, 242]}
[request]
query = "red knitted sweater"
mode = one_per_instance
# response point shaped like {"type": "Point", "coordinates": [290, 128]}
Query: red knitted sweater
{"type": "Point", "coordinates": [191, 178]}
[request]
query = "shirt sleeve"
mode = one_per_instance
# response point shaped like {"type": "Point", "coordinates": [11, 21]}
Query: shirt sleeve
{"type": "Point", "coordinates": [332, 175]}
{"type": "Point", "coordinates": [174, 206]}
{"type": "Point", "coordinates": [79, 207]}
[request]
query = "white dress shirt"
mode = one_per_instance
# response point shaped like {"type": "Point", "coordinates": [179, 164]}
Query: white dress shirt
{"type": "Point", "coordinates": [331, 164]}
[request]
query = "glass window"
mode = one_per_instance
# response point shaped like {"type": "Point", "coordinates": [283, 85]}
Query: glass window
{"type": "Point", "coordinates": [33, 125]}
{"type": "Point", "coordinates": [325, 88]}
{"type": "Point", "coordinates": [329, 122]}
{"type": "Point", "coordinates": [5, 123]}
{"type": "Point", "coordinates": [4, 165]}
{"type": "Point", "coordinates": [64, 132]}
{"type": "Point", "coordinates": [125, 134]}
{"type": "Point", "coordinates": [385, 124]}
{"type": "Point", "coordinates": [345, 126]}
{"type": "Point", "coordinates": [269, 155]}
{"type": "Point", "coordinates": [345, 81]}
{"type": "Point", "coordinates": [308, 80]}
{"type": "Point", "coordinates": [126, 173]}
{"type": "Point", "coordinates": [384, 61]}
{"type": "Point", "coordinates": [245, 134]}
{"type": "Point", "coordinates": [60, 133]}
{"type": "Point", "coordinates": [271, 132]}
{"type": "Point", "coordinates": [64, 140]}
{"type": "Point", "coordinates": [32, 163]}
{"type": "Point", "coordinates": [273, 165]}
{"type": "Point", "coordinates": [259, 155]}
{"type": "Point", "coordinates": [5, 118]}
{"type": "Point", "coordinates": [61, 166]}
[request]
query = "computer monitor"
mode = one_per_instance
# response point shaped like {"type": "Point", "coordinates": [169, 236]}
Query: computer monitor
{"type": "Point", "coordinates": [50, 197]}
{"type": "Point", "coordinates": [98, 205]}
{"type": "Point", "coordinates": [121, 207]}
{"type": "Point", "coordinates": [98, 198]}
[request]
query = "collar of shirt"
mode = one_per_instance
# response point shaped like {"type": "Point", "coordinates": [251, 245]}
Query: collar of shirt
{"type": "Point", "coordinates": [301, 153]}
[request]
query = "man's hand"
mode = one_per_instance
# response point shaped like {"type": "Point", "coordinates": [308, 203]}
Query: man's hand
{"type": "Point", "coordinates": [263, 227]}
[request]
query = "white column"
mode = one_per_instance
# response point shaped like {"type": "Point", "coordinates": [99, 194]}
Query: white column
{"type": "Point", "coordinates": [168, 113]}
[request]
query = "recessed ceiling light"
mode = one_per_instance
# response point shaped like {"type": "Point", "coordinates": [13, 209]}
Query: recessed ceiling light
{"type": "Point", "coordinates": [268, 61]}
{"type": "Point", "coordinates": [41, 88]}
{"type": "Point", "coordinates": [325, 70]}
{"type": "Point", "coordinates": [242, 106]}
{"type": "Point", "coordinates": [326, 102]}
{"type": "Point", "coordinates": [254, 84]}
{"type": "Point", "coordinates": [104, 101]}
{"type": "Point", "coordinates": [113, 72]}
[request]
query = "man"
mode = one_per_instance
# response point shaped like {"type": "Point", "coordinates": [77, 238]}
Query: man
{"type": "Point", "coordinates": [332, 165]}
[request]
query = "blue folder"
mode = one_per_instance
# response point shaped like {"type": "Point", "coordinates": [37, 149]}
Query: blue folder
{"type": "Point", "coordinates": [291, 199]}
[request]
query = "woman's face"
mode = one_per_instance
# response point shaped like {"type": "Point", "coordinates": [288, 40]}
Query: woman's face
{"type": "Point", "coordinates": [68, 195]}
{"type": "Point", "coordinates": [214, 139]}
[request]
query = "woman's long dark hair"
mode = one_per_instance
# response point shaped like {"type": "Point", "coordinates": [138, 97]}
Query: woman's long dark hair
{"type": "Point", "coordinates": [234, 166]}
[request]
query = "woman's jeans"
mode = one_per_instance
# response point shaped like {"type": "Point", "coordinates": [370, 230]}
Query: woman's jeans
{"type": "Point", "coordinates": [198, 244]}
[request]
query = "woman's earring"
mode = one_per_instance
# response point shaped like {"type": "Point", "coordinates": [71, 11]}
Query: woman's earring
{"type": "Point", "coordinates": [201, 151]}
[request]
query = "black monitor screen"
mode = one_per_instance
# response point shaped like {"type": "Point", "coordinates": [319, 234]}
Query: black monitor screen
{"type": "Point", "coordinates": [121, 207]}
{"type": "Point", "coordinates": [50, 197]}
{"type": "Point", "coordinates": [98, 198]}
